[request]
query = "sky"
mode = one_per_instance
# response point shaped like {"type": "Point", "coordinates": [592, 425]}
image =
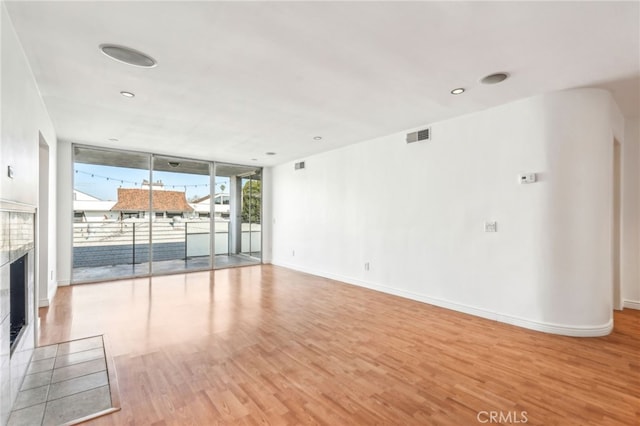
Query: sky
{"type": "Point", "coordinates": [103, 181]}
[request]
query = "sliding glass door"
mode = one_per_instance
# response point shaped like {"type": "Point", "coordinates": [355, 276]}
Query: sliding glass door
{"type": "Point", "coordinates": [181, 221]}
{"type": "Point", "coordinates": [251, 215]}
{"type": "Point", "coordinates": [139, 214]}
{"type": "Point", "coordinates": [238, 212]}
{"type": "Point", "coordinates": [110, 216]}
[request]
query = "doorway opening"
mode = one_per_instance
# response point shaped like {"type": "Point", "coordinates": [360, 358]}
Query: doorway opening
{"type": "Point", "coordinates": [616, 225]}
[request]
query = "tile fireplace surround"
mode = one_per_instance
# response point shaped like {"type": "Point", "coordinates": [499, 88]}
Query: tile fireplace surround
{"type": "Point", "coordinates": [16, 240]}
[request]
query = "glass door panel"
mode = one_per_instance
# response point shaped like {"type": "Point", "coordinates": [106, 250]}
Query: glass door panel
{"type": "Point", "coordinates": [238, 211]}
{"type": "Point", "coordinates": [251, 215]}
{"type": "Point", "coordinates": [181, 221]}
{"type": "Point", "coordinates": [110, 228]}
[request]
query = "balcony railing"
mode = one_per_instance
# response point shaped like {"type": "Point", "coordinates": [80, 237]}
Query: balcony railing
{"type": "Point", "coordinates": [127, 242]}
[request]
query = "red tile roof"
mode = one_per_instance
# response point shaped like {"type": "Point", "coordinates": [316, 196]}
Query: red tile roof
{"type": "Point", "coordinates": [137, 200]}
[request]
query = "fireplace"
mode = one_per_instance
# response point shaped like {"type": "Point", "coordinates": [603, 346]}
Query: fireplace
{"type": "Point", "coordinates": [18, 298]}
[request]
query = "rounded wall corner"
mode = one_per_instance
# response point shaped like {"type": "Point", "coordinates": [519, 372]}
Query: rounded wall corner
{"type": "Point", "coordinates": [561, 329]}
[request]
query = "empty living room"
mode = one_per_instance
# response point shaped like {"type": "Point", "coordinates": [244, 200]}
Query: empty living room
{"type": "Point", "coordinates": [319, 212]}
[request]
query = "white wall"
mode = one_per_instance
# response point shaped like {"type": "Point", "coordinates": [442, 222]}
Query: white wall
{"type": "Point", "coordinates": [64, 207]}
{"type": "Point", "coordinates": [630, 256]}
{"type": "Point", "coordinates": [416, 213]}
{"type": "Point", "coordinates": [24, 117]}
{"type": "Point", "coordinates": [267, 218]}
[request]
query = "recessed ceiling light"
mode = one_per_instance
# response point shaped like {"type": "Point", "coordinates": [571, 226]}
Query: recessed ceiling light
{"type": "Point", "coordinates": [127, 55]}
{"type": "Point", "coordinates": [270, 153]}
{"type": "Point", "coordinates": [495, 78]}
{"type": "Point", "coordinates": [457, 91]}
{"type": "Point", "coordinates": [317, 138]}
{"type": "Point", "coordinates": [113, 139]}
{"type": "Point", "coordinates": [127, 94]}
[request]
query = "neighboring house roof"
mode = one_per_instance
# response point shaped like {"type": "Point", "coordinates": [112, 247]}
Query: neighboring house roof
{"type": "Point", "coordinates": [201, 199]}
{"type": "Point", "coordinates": [203, 204]}
{"type": "Point", "coordinates": [83, 196]}
{"type": "Point", "coordinates": [164, 201]}
{"type": "Point", "coordinates": [93, 206]}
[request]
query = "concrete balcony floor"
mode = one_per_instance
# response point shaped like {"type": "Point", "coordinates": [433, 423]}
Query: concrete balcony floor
{"type": "Point", "coordinates": [104, 273]}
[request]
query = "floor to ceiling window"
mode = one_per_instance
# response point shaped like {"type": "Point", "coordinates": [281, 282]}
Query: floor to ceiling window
{"type": "Point", "coordinates": [138, 214]}
{"type": "Point", "coordinates": [238, 213]}
{"type": "Point", "coordinates": [181, 223]}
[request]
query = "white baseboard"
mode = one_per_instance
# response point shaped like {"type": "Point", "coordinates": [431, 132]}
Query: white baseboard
{"type": "Point", "coordinates": [43, 303]}
{"type": "Point", "coordinates": [62, 283]}
{"type": "Point", "coordinates": [565, 330]}
{"type": "Point", "coordinates": [631, 304]}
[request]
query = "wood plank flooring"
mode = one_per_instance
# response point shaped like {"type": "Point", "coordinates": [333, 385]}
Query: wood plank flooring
{"type": "Point", "coordinates": [267, 345]}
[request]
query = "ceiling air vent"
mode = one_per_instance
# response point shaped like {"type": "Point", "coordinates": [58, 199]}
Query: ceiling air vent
{"type": "Point", "coordinates": [420, 135]}
{"type": "Point", "coordinates": [299, 165]}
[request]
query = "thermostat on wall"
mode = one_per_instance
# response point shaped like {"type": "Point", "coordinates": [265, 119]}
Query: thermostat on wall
{"type": "Point", "coordinates": [527, 178]}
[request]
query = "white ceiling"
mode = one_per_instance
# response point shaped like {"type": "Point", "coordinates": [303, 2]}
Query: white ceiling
{"type": "Point", "coordinates": [238, 79]}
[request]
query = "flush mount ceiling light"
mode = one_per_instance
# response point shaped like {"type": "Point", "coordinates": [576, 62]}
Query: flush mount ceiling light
{"type": "Point", "coordinates": [254, 159]}
{"type": "Point", "coordinates": [113, 139]}
{"type": "Point", "coordinates": [127, 55]}
{"type": "Point", "coordinates": [457, 91]}
{"type": "Point", "coordinates": [270, 153]}
{"type": "Point", "coordinates": [317, 138]}
{"type": "Point", "coordinates": [173, 164]}
{"type": "Point", "coordinates": [495, 78]}
{"type": "Point", "coordinates": [128, 94]}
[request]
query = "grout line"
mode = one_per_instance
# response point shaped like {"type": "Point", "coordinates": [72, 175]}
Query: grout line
{"type": "Point", "coordinates": [82, 375]}
{"type": "Point", "coordinates": [84, 390]}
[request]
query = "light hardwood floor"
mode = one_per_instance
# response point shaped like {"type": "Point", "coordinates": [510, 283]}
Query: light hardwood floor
{"type": "Point", "coordinates": [267, 345]}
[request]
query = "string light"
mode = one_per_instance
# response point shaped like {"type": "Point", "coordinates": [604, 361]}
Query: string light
{"type": "Point", "coordinates": [122, 181]}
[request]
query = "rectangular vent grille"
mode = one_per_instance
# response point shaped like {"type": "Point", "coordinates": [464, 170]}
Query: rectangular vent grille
{"type": "Point", "coordinates": [299, 165]}
{"type": "Point", "coordinates": [420, 135]}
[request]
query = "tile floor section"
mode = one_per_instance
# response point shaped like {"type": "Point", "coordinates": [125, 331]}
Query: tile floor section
{"type": "Point", "coordinates": [64, 382]}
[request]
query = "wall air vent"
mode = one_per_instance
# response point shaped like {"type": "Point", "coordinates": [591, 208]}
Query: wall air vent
{"type": "Point", "coordinates": [299, 165]}
{"type": "Point", "coordinates": [420, 135]}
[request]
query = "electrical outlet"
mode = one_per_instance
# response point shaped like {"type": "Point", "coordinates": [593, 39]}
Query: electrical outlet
{"type": "Point", "coordinates": [491, 227]}
{"type": "Point", "coordinates": [366, 266]}
{"type": "Point", "coordinates": [293, 253]}
{"type": "Point", "coordinates": [527, 178]}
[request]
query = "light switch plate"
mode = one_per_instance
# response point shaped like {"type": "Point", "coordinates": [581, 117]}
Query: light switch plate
{"type": "Point", "coordinates": [491, 227]}
{"type": "Point", "coordinates": [10, 171]}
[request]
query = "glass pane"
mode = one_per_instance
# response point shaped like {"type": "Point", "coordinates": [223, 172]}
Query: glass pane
{"type": "Point", "coordinates": [110, 226]}
{"type": "Point", "coordinates": [181, 229]}
{"type": "Point", "coordinates": [251, 215]}
{"type": "Point", "coordinates": [237, 215]}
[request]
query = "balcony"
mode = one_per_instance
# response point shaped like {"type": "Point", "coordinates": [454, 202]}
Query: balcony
{"type": "Point", "coordinates": [118, 249]}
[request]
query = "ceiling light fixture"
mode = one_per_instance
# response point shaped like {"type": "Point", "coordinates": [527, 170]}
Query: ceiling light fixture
{"type": "Point", "coordinates": [113, 139]}
{"type": "Point", "coordinates": [270, 153]}
{"type": "Point", "coordinates": [254, 159]}
{"type": "Point", "coordinates": [498, 77]}
{"type": "Point", "coordinates": [457, 91]}
{"type": "Point", "coordinates": [128, 56]}
{"type": "Point", "coordinates": [317, 138]}
{"type": "Point", "coordinates": [127, 94]}
{"type": "Point", "coordinates": [173, 164]}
